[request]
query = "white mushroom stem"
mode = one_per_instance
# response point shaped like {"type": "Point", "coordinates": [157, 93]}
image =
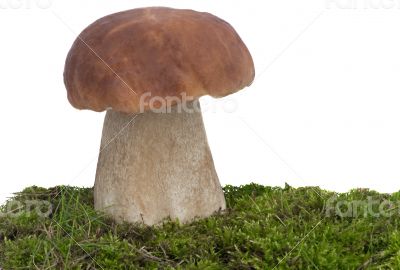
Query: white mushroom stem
{"type": "Point", "coordinates": [155, 167]}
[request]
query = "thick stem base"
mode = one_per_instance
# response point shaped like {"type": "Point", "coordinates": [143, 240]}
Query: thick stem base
{"type": "Point", "coordinates": [158, 166]}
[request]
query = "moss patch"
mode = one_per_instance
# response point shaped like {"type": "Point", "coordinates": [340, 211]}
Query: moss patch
{"type": "Point", "coordinates": [263, 228]}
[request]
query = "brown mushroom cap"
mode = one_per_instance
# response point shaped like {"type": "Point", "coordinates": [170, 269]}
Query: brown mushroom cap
{"type": "Point", "coordinates": [161, 52]}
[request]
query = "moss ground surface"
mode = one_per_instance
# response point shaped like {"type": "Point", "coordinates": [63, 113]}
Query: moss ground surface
{"type": "Point", "coordinates": [263, 228]}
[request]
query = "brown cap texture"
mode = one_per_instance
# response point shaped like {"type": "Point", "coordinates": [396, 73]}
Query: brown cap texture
{"type": "Point", "coordinates": [155, 52]}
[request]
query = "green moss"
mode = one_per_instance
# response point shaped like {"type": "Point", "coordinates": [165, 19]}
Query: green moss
{"type": "Point", "coordinates": [263, 227]}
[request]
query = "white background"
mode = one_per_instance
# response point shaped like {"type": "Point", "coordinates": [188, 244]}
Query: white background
{"type": "Point", "coordinates": [324, 109]}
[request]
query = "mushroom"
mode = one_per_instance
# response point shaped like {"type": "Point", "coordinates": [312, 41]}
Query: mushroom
{"type": "Point", "coordinates": [147, 68]}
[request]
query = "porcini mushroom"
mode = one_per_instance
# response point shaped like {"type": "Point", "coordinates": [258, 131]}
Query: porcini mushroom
{"type": "Point", "coordinates": [155, 161]}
